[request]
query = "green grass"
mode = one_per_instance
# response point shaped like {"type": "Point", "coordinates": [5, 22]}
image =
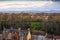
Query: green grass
{"type": "Point", "coordinates": [36, 25]}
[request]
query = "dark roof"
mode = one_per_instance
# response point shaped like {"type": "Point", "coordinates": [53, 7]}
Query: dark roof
{"type": "Point", "coordinates": [38, 33]}
{"type": "Point", "coordinates": [51, 36]}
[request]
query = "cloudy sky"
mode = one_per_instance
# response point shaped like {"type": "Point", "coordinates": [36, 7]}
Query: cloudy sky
{"type": "Point", "coordinates": [33, 6]}
{"type": "Point", "coordinates": [28, 0]}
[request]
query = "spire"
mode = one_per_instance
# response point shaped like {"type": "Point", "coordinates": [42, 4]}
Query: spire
{"type": "Point", "coordinates": [29, 34]}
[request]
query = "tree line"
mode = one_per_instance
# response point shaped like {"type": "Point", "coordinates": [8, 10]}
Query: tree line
{"type": "Point", "coordinates": [42, 22]}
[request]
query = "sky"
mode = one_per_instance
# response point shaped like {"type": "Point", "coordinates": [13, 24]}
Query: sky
{"type": "Point", "coordinates": [30, 6]}
{"type": "Point", "coordinates": [28, 0]}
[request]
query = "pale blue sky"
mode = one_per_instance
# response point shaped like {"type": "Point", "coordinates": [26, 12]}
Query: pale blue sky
{"type": "Point", "coordinates": [28, 0]}
{"type": "Point", "coordinates": [31, 6]}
